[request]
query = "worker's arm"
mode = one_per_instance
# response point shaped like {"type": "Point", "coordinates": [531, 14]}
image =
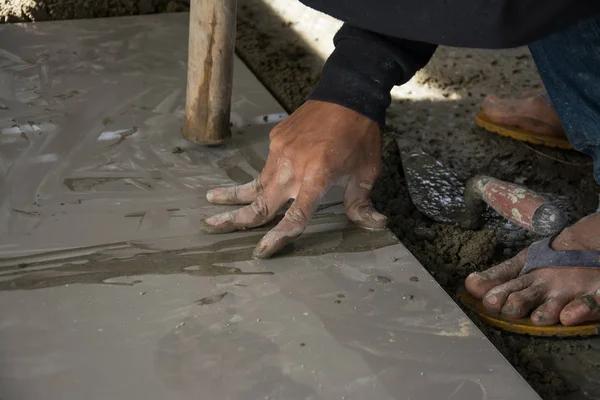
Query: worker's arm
{"type": "Point", "coordinates": [365, 66]}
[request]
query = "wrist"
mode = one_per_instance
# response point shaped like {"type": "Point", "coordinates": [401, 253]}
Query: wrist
{"type": "Point", "coordinates": [358, 76]}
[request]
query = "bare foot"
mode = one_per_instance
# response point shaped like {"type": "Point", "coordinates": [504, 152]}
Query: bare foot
{"type": "Point", "coordinates": [569, 295]}
{"type": "Point", "coordinates": [529, 112]}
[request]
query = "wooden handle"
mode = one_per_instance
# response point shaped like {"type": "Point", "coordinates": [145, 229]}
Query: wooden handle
{"type": "Point", "coordinates": [210, 71]}
{"type": "Point", "coordinates": [522, 206]}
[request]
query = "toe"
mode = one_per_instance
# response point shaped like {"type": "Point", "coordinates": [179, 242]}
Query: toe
{"type": "Point", "coordinates": [519, 304]}
{"type": "Point", "coordinates": [582, 309]}
{"type": "Point", "coordinates": [495, 299]}
{"type": "Point", "coordinates": [480, 283]}
{"type": "Point", "coordinates": [549, 312]}
{"type": "Point", "coordinates": [490, 102]}
{"type": "Point", "coordinates": [498, 109]}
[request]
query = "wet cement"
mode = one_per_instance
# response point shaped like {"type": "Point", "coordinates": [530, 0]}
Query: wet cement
{"type": "Point", "coordinates": [282, 49]}
{"type": "Point", "coordinates": [206, 260]}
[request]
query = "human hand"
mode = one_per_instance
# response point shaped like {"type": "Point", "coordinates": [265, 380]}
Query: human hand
{"type": "Point", "coordinates": [319, 145]}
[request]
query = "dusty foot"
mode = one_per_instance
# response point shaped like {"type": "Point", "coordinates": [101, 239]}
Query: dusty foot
{"type": "Point", "coordinates": [529, 112]}
{"type": "Point", "coordinates": [569, 295]}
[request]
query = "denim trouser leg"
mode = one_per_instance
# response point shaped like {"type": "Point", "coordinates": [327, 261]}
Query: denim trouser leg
{"type": "Point", "coordinates": [569, 64]}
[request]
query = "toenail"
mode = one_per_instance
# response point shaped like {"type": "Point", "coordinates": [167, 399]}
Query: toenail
{"type": "Point", "coordinates": [491, 299]}
{"type": "Point", "coordinates": [508, 309]}
{"type": "Point", "coordinates": [478, 275]}
{"type": "Point", "coordinates": [591, 303]}
{"type": "Point", "coordinates": [539, 316]}
{"type": "Point", "coordinates": [495, 291]}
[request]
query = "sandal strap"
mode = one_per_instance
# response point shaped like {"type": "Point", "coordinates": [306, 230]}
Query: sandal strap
{"type": "Point", "coordinates": [541, 255]}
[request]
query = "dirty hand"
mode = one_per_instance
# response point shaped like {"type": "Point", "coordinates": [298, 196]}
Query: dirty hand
{"type": "Point", "coordinates": [319, 145]}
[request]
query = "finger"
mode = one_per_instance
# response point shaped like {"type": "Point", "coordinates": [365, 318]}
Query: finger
{"type": "Point", "coordinates": [262, 210]}
{"type": "Point", "coordinates": [549, 312]}
{"type": "Point", "coordinates": [247, 193]}
{"type": "Point", "coordinates": [359, 208]}
{"type": "Point", "coordinates": [582, 309]}
{"type": "Point", "coordinates": [496, 298]}
{"type": "Point", "coordinates": [480, 283]}
{"type": "Point", "coordinates": [519, 304]}
{"type": "Point", "coordinates": [296, 218]}
{"type": "Point", "coordinates": [241, 194]}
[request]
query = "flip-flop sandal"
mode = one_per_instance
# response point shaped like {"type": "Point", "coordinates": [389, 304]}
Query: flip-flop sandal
{"type": "Point", "coordinates": [540, 255]}
{"type": "Point", "coordinates": [482, 120]}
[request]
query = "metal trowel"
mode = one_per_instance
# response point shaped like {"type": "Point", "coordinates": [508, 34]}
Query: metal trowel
{"type": "Point", "coordinates": [441, 195]}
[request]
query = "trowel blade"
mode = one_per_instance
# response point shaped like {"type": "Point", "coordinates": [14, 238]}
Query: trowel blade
{"type": "Point", "coordinates": [435, 190]}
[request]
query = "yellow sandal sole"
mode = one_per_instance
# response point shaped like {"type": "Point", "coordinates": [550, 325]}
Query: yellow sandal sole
{"type": "Point", "coordinates": [524, 326]}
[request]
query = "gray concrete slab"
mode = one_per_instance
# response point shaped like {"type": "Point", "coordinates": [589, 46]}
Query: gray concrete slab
{"type": "Point", "coordinates": [108, 290]}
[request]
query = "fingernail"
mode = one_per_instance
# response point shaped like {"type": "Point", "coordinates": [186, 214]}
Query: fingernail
{"type": "Point", "coordinates": [211, 194]}
{"type": "Point", "coordinates": [259, 253]}
{"type": "Point", "coordinates": [210, 220]}
{"type": "Point", "coordinates": [378, 217]}
{"type": "Point", "coordinates": [219, 219]}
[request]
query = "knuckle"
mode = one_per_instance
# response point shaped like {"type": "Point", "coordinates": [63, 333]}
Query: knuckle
{"type": "Point", "coordinates": [325, 158]}
{"type": "Point", "coordinates": [366, 185]}
{"type": "Point", "coordinates": [276, 145]}
{"type": "Point", "coordinates": [234, 194]}
{"type": "Point", "coordinates": [260, 208]}
{"type": "Point", "coordinates": [288, 153]}
{"type": "Point", "coordinates": [276, 131]}
{"type": "Point", "coordinates": [257, 186]}
{"type": "Point", "coordinates": [296, 216]}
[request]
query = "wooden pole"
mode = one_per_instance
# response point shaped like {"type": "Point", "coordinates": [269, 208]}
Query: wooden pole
{"type": "Point", "coordinates": [210, 71]}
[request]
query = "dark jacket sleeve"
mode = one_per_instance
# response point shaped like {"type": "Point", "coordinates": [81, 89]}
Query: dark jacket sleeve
{"type": "Point", "coordinates": [486, 24]}
{"type": "Point", "coordinates": [365, 66]}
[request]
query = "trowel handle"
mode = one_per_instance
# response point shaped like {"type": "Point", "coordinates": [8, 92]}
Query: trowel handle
{"type": "Point", "coordinates": [520, 205]}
